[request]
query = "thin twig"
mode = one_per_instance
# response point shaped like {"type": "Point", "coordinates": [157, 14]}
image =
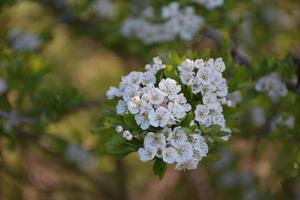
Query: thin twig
{"type": "Point", "coordinates": [13, 116]}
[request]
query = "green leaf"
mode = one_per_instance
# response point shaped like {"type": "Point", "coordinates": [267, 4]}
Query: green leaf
{"type": "Point", "coordinates": [159, 167]}
{"type": "Point", "coordinates": [170, 72]}
{"type": "Point", "coordinates": [187, 131]}
{"type": "Point", "coordinates": [159, 75]}
{"type": "Point", "coordinates": [183, 58]}
{"type": "Point", "coordinates": [118, 146]}
{"type": "Point", "coordinates": [213, 157]}
{"type": "Point", "coordinates": [210, 130]}
{"type": "Point", "coordinates": [130, 122]}
{"type": "Point", "coordinates": [175, 58]}
{"type": "Point", "coordinates": [222, 133]}
{"type": "Point", "coordinates": [187, 91]}
{"type": "Point", "coordinates": [218, 140]}
{"type": "Point", "coordinates": [187, 120]}
{"type": "Point", "coordinates": [206, 54]}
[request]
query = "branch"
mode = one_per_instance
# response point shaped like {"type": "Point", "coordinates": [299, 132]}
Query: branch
{"type": "Point", "coordinates": [238, 55]}
{"type": "Point", "coordinates": [122, 180]}
{"type": "Point", "coordinates": [296, 60]}
{"type": "Point", "coordinates": [26, 138]}
{"type": "Point", "coordinates": [158, 189]}
{"type": "Point", "coordinates": [241, 57]}
{"type": "Point", "coordinates": [13, 116]}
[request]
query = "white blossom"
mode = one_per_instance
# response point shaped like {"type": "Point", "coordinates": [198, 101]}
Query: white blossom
{"type": "Point", "coordinates": [177, 22]}
{"type": "Point", "coordinates": [156, 96]}
{"type": "Point", "coordinates": [184, 152]}
{"type": "Point", "coordinates": [127, 135]}
{"type": "Point", "coordinates": [105, 8]}
{"type": "Point", "coordinates": [121, 107]}
{"type": "Point", "coordinates": [188, 164]}
{"type": "Point", "coordinates": [201, 114]}
{"type": "Point", "coordinates": [178, 111]}
{"type": "Point", "coordinates": [160, 117]}
{"type": "Point", "coordinates": [169, 87]}
{"type": "Point", "coordinates": [24, 41]}
{"type": "Point", "coordinates": [156, 66]}
{"type": "Point", "coordinates": [169, 155]}
{"type": "Point", "coordinates": [142, 121]}
{"type": "Point", "coordinates": [155, 140]}
{"type": "Point", "coordinates": [113, 92]}
{"type": "Point", "coordinates": [119, 129]}
{"type": "Point", "coordinates": [219, 65]}
{"type": "Point", "coordinates": [134, 105]}
{"type": "Point", "coordinates": [273, 86]}
{"type": "Point", "coordinates": [148, 77]}
{"type": "Point", "coordinates": [218, 119]}
{"type": "Point", "coordinates": [146, 153]}
{"type": "Point", "coordinates": [210, 4]}
{"type": "Point", "coordinates": [177, 137]}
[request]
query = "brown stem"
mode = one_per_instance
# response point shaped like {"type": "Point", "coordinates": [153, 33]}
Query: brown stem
{"type": "Point", "coordinates": [122, 180]}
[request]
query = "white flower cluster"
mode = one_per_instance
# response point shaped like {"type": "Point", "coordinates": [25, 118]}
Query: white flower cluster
{"type": "Point", "coordinates": [205, 78]}
{"type": "Point", "coordinates": [182, 23]}
{"type": "Point", "coordinates": [288, 121]}
{"type": "Point", "coordinates": [151, 106]}
{"type": "Point", "coordinates": [273, 85]}
{"type": "Point", "coordinates": [23, 41]}
{"type": "Point", "coordinates": [105, 8]}
{"type": "Point", "coordinates": [210, 4]}
{"type": "Point", "coordinates": [158, 107]}
{"type": "Point", "coordinates": [174, 145]}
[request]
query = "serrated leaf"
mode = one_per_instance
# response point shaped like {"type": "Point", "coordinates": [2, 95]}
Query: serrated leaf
{"type": "Point", "coordinates": [175, 58]}
{"type": "Point", "coordinates": [130, 122]}
{"type": "Point", "coordinates": [206, 54]}
{"type": "Point", "coordinates": [159, 75]}
{"type": "Point", "coordinates": [118, 146]}
{"type": "Point", "coordinates": [170, 72]}
{"type": "Point", "coordinates": [159, 167]}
